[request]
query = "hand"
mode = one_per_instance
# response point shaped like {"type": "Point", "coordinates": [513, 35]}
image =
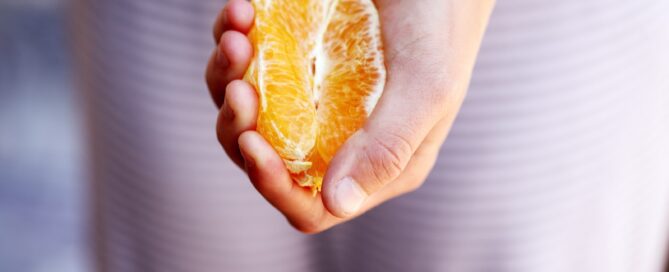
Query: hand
{"type": "Point", "coordinates": [430, 48]}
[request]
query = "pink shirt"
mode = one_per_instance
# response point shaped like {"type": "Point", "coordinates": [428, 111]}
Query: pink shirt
{"type": "Point", "coordinates": [558, 161]}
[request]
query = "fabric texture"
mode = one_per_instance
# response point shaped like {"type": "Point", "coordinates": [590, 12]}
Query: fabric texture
{"type": "Point", "coordinates": [558, 161]}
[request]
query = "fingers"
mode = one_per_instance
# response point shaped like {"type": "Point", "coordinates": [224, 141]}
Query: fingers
{"type": "Point", "coordinates": [318, 218]}
{"type": "Point", "coordinates": [237, 115]}
{"type": "Point", "coordinates": [379, 152]}
{"type": "Point", "coordinates": [412, 178]}
{"type": "Point", "coordinates": [228, 62]}
{"type": "Point", "coordinates": [428, 74]}
{"type": "Point", "coordinates": [233, 51]}
{"type": "Point", "coordinates": [270, 177]}
{"type": "Point", "coordinates": [419, 166]}
{"type": "Point", "coordinates": [237, 15]}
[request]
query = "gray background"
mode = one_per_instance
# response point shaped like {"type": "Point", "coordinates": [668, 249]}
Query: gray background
{"type": "Point", "coordinates": [41, 185]}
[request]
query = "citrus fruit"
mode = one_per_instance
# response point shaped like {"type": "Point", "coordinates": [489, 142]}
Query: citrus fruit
{"type": "Point", "coordinates": [318, 69]}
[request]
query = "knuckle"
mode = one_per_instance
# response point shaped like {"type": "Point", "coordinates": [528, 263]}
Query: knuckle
{"type": "Point", "coordinates": [387, 155]}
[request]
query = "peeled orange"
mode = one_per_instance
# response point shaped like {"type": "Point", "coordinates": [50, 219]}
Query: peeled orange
{"type": "Point", "coordinates": [318, 69]}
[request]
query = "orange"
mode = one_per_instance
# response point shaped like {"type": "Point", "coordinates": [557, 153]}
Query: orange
{"type": "Point", "coordinates": [318, 69]}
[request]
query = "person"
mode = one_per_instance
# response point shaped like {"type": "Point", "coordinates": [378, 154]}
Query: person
{"type": "Point", "coordinates": [428, 73]}
{"type": "Point", "coordinates": [557, 160]}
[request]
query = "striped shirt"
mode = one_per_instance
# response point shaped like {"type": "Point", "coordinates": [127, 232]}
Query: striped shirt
{"type": "Point", "coordinates": [558, 161]}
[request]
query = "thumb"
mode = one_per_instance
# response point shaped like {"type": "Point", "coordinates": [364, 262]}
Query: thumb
{"type": "Point", "coordinates": [378, 153]}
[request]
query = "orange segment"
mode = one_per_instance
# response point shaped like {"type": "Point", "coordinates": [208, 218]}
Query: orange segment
{"type": "Point", "coordinates": [355, 75]}
{"type": "Point", "coordinates": [318, 69]}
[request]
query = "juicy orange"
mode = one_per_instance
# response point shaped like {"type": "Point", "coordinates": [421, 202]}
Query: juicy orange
{"type": "Point", "coordinates": [318, 70]}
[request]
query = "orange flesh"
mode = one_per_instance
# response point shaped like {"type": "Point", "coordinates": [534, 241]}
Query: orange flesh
{"type": "Point", "coordinates": [318, 69]}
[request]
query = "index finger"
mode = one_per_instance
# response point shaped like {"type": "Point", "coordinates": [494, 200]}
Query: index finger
{"type": "Point", "coordinates": [236, 15]}
{"type": "Point", "coordinates": [270, 177]}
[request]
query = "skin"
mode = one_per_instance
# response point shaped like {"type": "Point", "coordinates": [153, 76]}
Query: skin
{"type": "Point", "coordinates": [430, 50]}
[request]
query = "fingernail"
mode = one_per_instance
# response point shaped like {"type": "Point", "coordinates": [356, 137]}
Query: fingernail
{"type": "Point", "coordinates": [349, 196]}
{"type": "Point", "coordinates": [221, 58]}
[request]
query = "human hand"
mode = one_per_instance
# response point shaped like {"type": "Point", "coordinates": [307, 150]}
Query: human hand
{"type": "Point", "coordinates": [430, 48]}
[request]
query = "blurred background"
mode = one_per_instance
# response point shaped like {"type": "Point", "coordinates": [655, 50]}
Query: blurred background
{"type": "Point", "coordinates": [41, 185]}
{"type": "Point", "coordinates": [43, 196]}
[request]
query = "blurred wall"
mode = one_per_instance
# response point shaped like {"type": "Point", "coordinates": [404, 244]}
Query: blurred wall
{"type": "Point", "coordinates": [41, 204]}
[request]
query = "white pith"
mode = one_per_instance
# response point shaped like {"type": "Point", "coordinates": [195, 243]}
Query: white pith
{"type": "Point", "coordinates": [375, 29]}
{"type": "Point", "coordinates": [323, 65]}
